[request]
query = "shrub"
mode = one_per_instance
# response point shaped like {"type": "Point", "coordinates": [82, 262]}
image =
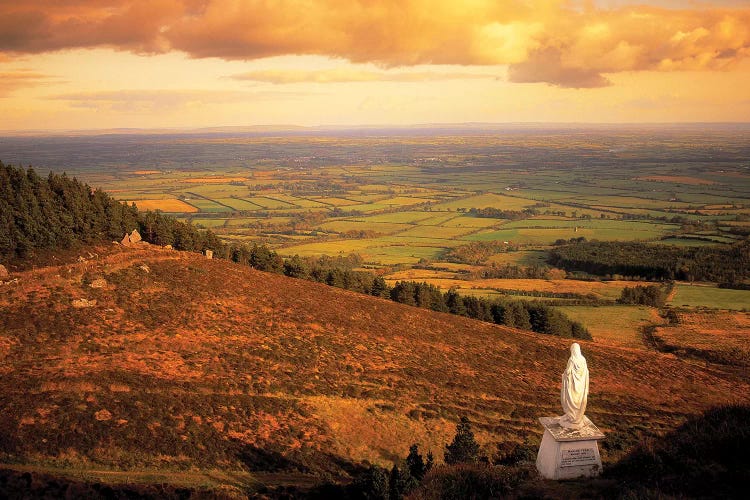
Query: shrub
{"type": "Point", "coordinates": [468, 482]}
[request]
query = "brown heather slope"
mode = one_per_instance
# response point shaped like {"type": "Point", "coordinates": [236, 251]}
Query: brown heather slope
{"type": "Point", "coordinates": [198, 364]}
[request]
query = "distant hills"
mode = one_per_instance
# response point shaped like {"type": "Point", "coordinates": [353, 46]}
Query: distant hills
{"type": "Point", "coordinates": [391, 129]}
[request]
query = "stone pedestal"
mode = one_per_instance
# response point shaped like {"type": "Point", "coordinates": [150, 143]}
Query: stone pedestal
{"type": "Point", "coordinates": [569, 453]}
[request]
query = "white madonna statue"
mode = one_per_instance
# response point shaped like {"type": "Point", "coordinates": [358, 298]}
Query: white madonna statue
{"type": "Point", "coordinates": [575, 389]}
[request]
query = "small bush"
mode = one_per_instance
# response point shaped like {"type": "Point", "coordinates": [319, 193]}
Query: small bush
{"type": "Point", "coordinates": [468, 482]}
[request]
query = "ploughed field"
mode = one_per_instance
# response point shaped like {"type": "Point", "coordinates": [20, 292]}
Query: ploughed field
{"type": "Point", "coordinates": [173, 362]}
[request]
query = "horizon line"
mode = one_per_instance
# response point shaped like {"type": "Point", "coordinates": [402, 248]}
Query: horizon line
{"type": "Point", "coordinates": [292, 128]}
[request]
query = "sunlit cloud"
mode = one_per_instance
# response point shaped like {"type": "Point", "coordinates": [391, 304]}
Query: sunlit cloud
{"type": "Point", "coordinates": [163, 100]}
{"type": "Point", "coordinates": [564, 43]}
{"type": "Point", "coordinates": [11, 81]}
{"type": "Point", "coordinates": [347, 75]}
{"type": "Point", "coordinates": [546, 65]}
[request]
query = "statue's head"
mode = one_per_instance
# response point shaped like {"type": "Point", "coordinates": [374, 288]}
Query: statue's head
{"type": "Point", "coordinates": [575, 349]}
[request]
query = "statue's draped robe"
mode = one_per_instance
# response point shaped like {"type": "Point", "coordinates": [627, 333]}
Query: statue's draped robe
{"type": "Point", "coordinates": [575, 388]}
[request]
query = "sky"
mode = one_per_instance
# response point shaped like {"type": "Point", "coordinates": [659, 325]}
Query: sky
{"type": "Point", "coordinates": [99, 64]}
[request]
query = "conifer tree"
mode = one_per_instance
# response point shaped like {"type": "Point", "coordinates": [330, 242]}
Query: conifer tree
{"type": "Point", "coordinates": [464, 448]}
{"type": "Point", "coordinates": [415, 463]}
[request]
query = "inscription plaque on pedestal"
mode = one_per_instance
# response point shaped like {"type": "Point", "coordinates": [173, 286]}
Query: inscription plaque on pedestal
{"type": "Point", "coordinates": [577, 456]}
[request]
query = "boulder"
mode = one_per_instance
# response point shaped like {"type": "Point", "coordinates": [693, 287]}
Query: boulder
{"type": "Point", "coordinates": [131, 239]}
{"type": "Point", "coordinates": [209, 254]}
{"type": "Point", "coordinates": [3, 271]}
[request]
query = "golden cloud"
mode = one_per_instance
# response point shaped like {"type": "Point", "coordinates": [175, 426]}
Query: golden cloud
{"type": "Point", "coordinates": [348, 75]}
{"type": "Point", "coordinates": [553, 41]}
{"type": "Point", "coordinates": [163, 99]}
{"type": "Point", "coordinates": [11, 81]}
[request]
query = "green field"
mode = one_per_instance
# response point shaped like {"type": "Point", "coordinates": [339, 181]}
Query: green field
{"type": "Point", "coordinates": [613, 324]}
{"type": "Point", "coordinates": [209, 223]}
{"type": "Point", "coordinates": [268, 203]}
{"type": "Point", "coordinates": [209, 206]}
{"type": "Point", "coordinates": [364, 225]}
{"type": "Point", "coordinates": [535, 231]}
{"type": "Point", "coordinates": [442, 232]}
{"type": "Point", "coordinates": [406, 217]}
{"type": "Point", "coordinates": [238, 204]}
{"type": "Point", "coordinates": [709, 296]}
{"type": "Point", "coordinates": [488, 200]}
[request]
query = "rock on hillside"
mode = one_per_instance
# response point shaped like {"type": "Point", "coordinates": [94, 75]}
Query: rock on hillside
{"type": "Point", "coordinates": [203, 363]}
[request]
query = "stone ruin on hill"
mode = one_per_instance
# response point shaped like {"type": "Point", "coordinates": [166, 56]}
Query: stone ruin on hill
{"type": "Point", "coordinates": [131, 239]}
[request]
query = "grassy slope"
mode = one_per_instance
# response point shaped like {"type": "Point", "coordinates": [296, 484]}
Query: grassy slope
{"type": "Point", "coordinates": [200, 364]}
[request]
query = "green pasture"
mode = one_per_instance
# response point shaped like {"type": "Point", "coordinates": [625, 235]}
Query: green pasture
{"type": "Point", "coordinates": [438, 218]}
{"type": "Point", "coordinates": [238, 204]}
{"type": "Point", "coordinates": [629, 202]}
{"type": "Point", "coordinates": [699, 295]}
{"type": "Point", "coordinates": [520, 258]}
{"type": "Point", "coordinates": [468, 221]}
{"type": "Point", "coordinates": [709, 199]}
{"type": "Point", "coordinates": [379, 250]}
{"type": "Point", "coordinates": [209, 223]}
{"type": "Point", "coordinates": [613, 324]}
{"type": "Point", "coordinates": [433, 240]}
{"type": "Point", "coordinates": [368, 207]}
{"type": "Point", "coordinates": [486, 200]}
{"type": "Point", "coordinates": [332, 201]}
{"type": "Point", "coordinates": [532, 231]}
{"type": "Point", "coordinates": [288, 198]}
{"type": "Point", "coordinates": [131, 196]}
{"type": "Point", "coordinates": [367, 198]}
{"type": "Point", "coordinates": [263, 203]}
{"type": "Point", "coordinates": [302, 202]}
{"type": "Point", "coordinates": [535, 195]}
{"type": "Point", "coordinates": [214, 190]}
{"type": "Point", "coordinates": [207, 205]}
{"type": "Point", "coordinates": [404, 201]}
{"type": "Point", "coordinates": [365, 225]}
{"type": "Point", "coordinates": [423, 231]}
{"type": "Point", "coordinates": [406, 217]}
{"type": "Point", "coordinates": [239, 221]}
{"type": "Point", "coordinates": [377, 188]}
{"type": "Point", "coordinates": [591, 224]}
{"type": "Point", "coordinates": [271, 202]}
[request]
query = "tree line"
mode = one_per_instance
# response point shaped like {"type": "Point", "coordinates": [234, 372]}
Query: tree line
{"type": "Point", "coordinates": [341, 272]}
{"type": "Point", "coordinates": [720, 263]}
{"type": "Point", "coordinates": [496, 213]}
{"type": "Point", "coordinates": [477, 252]}
{"type": "Point", "coordinates": [58, 211]}
{"type": "Point", "coordinates": [646, 295]}
{"type": "Point", "coordinates": [535, 316]}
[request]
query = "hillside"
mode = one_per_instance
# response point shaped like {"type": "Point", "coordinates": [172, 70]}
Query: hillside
{"type": "Point", "coordinates": [150, 359]}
